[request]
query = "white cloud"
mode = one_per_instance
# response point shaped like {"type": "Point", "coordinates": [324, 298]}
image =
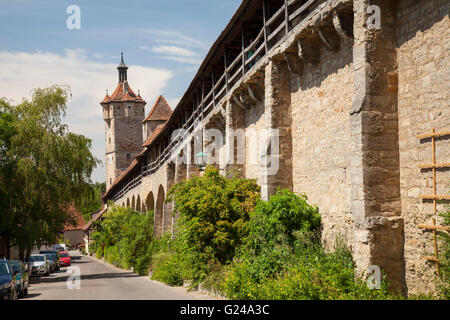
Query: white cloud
{"type": "Point", "coordinates": [176, 38]}
{"type": "Point", "coordinates": [22, 72]}
{"type": "Point", "coordinates": [185, 60]}
{"type": "Point", "coordinates": [175, 53]}
{"type": "Point", "coordinates": [173, 102]}
{"type": "Point", "coordinates": [174, 50]}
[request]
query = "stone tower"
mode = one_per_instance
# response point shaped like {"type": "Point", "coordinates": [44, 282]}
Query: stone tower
{"type": "Point", "coordinates": [123, 113]}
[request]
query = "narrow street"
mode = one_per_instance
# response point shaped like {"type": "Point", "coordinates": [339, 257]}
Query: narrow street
{"type": "Point", "coordinates": [100, 281]}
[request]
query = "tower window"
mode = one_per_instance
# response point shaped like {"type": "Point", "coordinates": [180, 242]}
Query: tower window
{"type": "Point", "coordinates": [129, 107]}
{"type": "Point", "coordinates": [110, 180]}
{"type": "Point", "coordinates": [128, 156]}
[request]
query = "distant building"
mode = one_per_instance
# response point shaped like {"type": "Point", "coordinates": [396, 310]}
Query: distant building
{"type": "Point", "coordinates": [74, 234]}
{"type": "Point", "coordinates": [89, 228]}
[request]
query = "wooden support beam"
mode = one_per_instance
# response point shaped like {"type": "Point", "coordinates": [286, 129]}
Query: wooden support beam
{"type": "Point", "coordinates": [213, 91]}
{"type": "Point", "coordinates": [203, 99]}
{"type": "Point", "coordinates": [431, 166]}
{"type": "Point", "coordinates": [329, 38]}
{"type": "Point", "coordinates": [286, 15]}
{"type": "Point", "coordinates": [294, 64]}
{"type": "Point", "coordinates": [339, 25]}
{"type": "Point", "coordinates": [309, 50]}
{"type": "Point", "coordinates": [238, 102]}
{"type": "Point", "coordinates": [434, 135]}
{"type": "Point", "coordinates": [432, 197]}
{"type": "Point", "coordinates": [253, 92]}
{"type": "Point", "coordinates": [243, 49]}
{"type": "Point", "coordinates": [266, 44]}
{"type": "Point", "coordinates": [431, 258]}
{"type": "Point", "coordinates": [226, 68]}
{"type": "Point", "coordinates": [422, 226]}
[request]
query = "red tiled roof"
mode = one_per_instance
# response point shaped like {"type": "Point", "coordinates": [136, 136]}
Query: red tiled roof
{"type": "Point", "coordinates": [123, 92]}
{"type": "Point", "coordinates": [153, 136]}
{"type": "Point", "coordinates": [78, 217]}
{"type": "Point", "coordinates": [160, 111]}
{"type": "Point", "coordinates": [97, 215]}
{"type": "Point", "coordinates": [106, 99]}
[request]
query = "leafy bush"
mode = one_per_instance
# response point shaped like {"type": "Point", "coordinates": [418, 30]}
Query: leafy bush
{"type": "Point", "coordinates": [311, 275]}
{"type": "Point", "coordinates": [127, 237]}
{"type": "Point", "coordinates": [112, 255]}
{"type": "Point", "coordinates": [99, 252]}
{"type": "Point", "coordinates": [275, 228]}
{"type": "Point", "coordinates": [444, 285]}
{"type": "Point", "coordinates": [214, 211]}
{"type": "Point", "coordinates": [167, 269]}
{"type": "Point", "coordinates": [282, 257]}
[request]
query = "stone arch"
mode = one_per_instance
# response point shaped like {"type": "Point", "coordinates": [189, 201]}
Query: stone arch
{"type": "Point", "coordinates": [133, 203]}
{"type": "Point", "coordinates": [150, 202]}
{"type": "Point", "coordinates": [138, 203]}
{"type": "Point", "coordinates": [128, 202]}
{"type": "Point", "coordinates": [159, 212]}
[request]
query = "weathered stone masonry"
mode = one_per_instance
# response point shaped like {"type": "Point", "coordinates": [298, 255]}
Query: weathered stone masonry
{"type": "Point", "coordinates": [348, 103]}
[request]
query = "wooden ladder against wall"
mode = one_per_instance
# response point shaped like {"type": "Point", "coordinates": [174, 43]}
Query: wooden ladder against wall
{"type": "Point", "coordinates": [435, 197]}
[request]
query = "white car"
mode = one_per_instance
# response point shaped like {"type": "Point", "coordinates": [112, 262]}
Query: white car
{"type": "Point", "coordinates": [60, 247]}
{"type": "Point", "coordinates": [41, 265]}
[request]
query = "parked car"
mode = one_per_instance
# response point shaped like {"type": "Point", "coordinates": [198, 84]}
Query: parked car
{"type": "Point", "coordinates": [8, 287]}
{"type": "Point", "coordinates": [41, 265]}
{"type": "Point", "coordinates": [54, 257]}
{"type": "Point", "coordinates": [51, 261]}
{"type": "Point", "coordinates": [22, 277]}
{"type": "Point", "coordinates": [60, 247]}
{"type": "Point", "coordinates": [64, 259]}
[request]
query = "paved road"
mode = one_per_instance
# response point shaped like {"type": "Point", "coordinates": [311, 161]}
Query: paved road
{"type": "Point", "coordinates": [100, 281]}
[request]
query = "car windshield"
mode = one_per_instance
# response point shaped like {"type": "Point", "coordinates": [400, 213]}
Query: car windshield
{"type": "Point", "coordinates": [64, 255]}
{"type": "Point", "coordinates": [49, 256]}
{"type": "Point", "coordinates": [37, 258]}
{"type": "Point", "coordinates": [15, 265]}
{"type": "Point", "coordinates": [4, 268]}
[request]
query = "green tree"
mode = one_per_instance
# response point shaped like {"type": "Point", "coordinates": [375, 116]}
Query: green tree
{"type": "Point", "coordinates": [444, 285]}
{"type": "Point", "coordinates": [7, 131]}
{"type": "Point", "coordinates": [49, 169]}
{"type": "Point", "coordinates": [92, 201]}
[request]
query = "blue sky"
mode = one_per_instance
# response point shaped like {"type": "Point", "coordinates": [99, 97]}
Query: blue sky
{"type": "Point", "coordinates": [164, 43]}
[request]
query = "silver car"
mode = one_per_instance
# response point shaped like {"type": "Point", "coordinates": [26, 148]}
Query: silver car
{"type": "Point", "coordinates": [51, 261]}
{"type": "Point", "coordinates": [41, 265]}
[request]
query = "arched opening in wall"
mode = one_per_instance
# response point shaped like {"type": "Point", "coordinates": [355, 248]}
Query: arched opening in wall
{"type": "Point", "coordinates": [150, 202]}
{"type": "Point", "coordinates": [128, 202]}
{"type": "Point", "coordinates": [138, 203]}
{"type": "Point", "coordinates": [123, 204]}
{"type": "Point", "coordinates": [133, 203]}
{"type": "Point", "coordinates": [159, 212]}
